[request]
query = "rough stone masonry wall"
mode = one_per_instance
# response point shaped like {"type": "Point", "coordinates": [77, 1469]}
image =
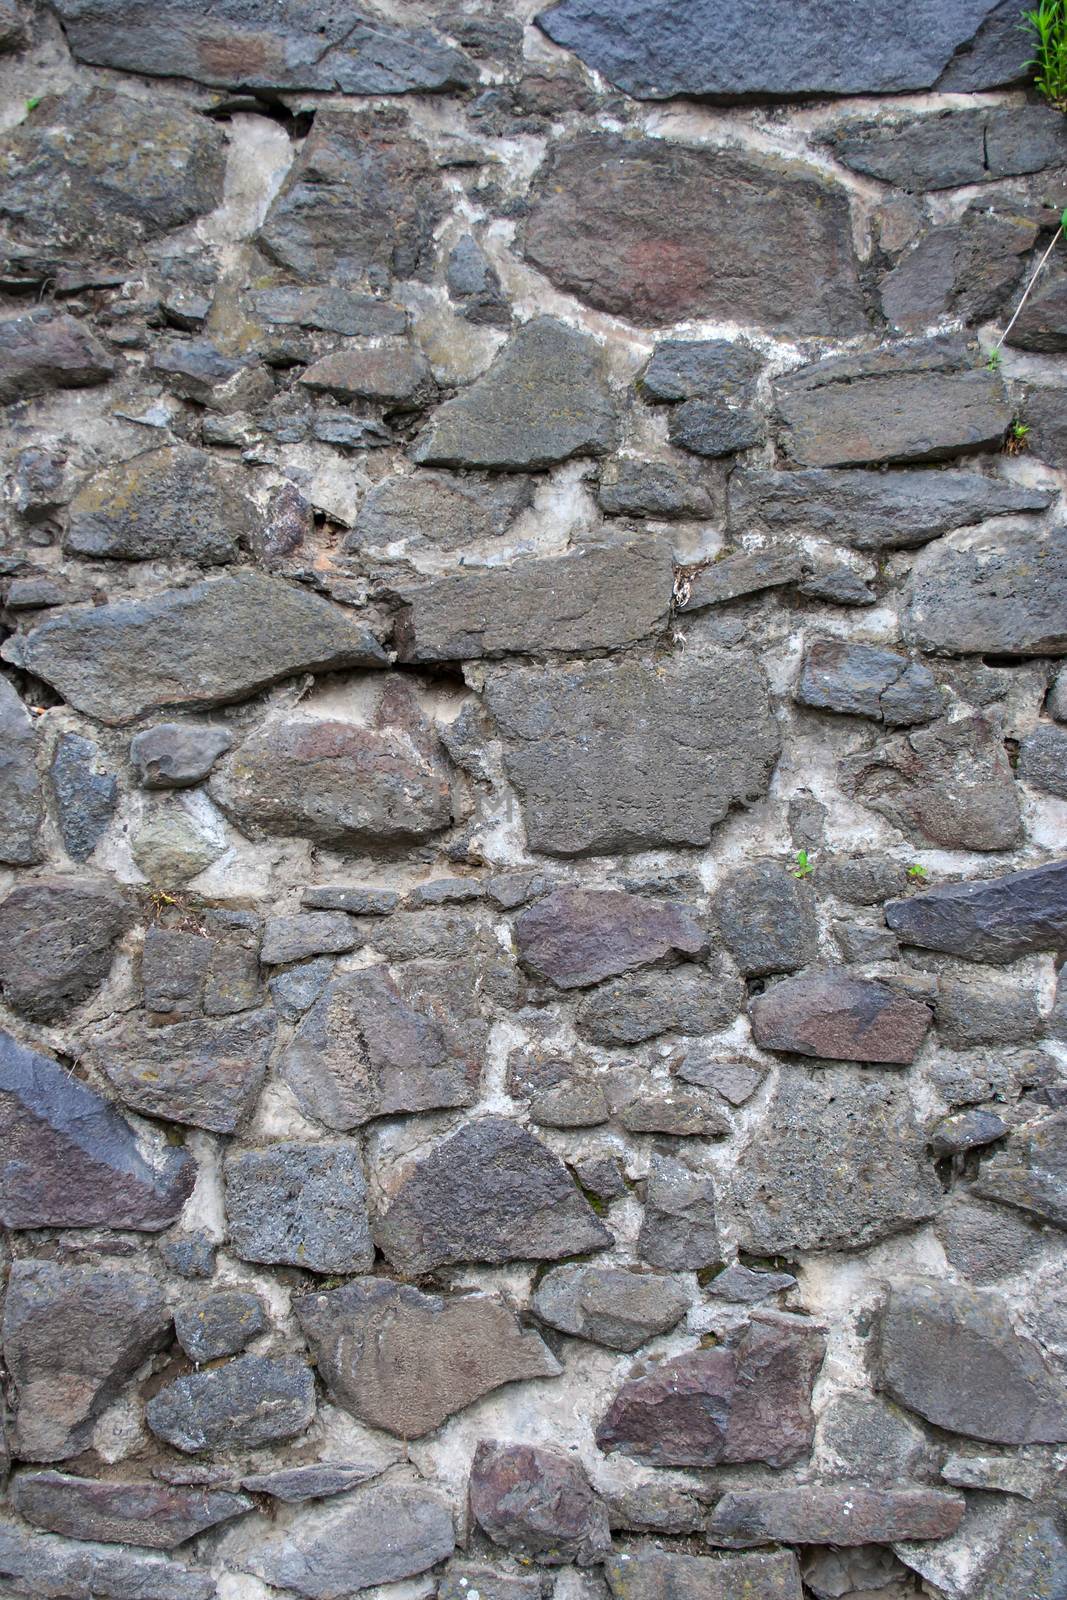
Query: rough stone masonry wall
{"type": "Point", "coordinates": [533, 801]}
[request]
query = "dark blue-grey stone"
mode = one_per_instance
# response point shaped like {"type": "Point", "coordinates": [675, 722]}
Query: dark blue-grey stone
{"type": "Point", "coordinates": [85, 796]}
{"type": "Point", "coordinates": [995, 920]}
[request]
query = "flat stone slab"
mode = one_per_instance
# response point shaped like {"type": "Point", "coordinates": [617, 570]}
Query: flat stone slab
{"type": "Point", "coordinates": [644, 1572]}
{"type": "Point", "coordinates": [155, 1515]}
{"type": "Point", "coordinates": [21, 803]}
{"type": "Point", "coordinates": [577, 937]}
{"type": "Point", "coordinates": [840, 1018]}
{"type": "Point", "coordinates": [1030, 1172]}
{"type": "Point", "coordinates": [299, 1204]}
{"type": "Point", "coordinates": [844, 1514]}
{"type": "Point", "coordinates": [995, 919]}
{"type": "Point", "coordinates": [173, 504]}
{"type": "Point", "coordinates": [610, 1305]}
{"type": "Point", "coordinates": [250, 1401]}
{"type": "Point", "coordinates": [861, 680]}
{"type": "Point", "coordinates": [203, 1072]}
{"type": "Point", "coordinates": [38, 1565]}
{"type": "Point", "coordinates": [997, 593]}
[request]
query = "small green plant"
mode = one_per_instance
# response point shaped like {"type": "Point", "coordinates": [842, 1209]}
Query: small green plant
{"type": "Point", "coordinates": [1047, 25]}
{"type": "Point", "coordinates": [917, 870]}
{"type": "Point", "coordinates": [804, 866]}
{"type": "Point", "coordinates": [995, 359]}
{"type": "Point", "coordinates": [1018, 434]}
{"type": "Point", "coordinates": [32, 103]}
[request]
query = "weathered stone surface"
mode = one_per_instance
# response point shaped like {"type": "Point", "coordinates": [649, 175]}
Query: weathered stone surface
{"type": "Point", "coordinates": [193, 974]}
{"type": "Point", "coordinates": [963, 270]}
{"type": "Point", "coordinates": [630, 488]}
{"type": "Point", "coordinates": [986, 1242]}
{"type": "Point", "coordinates": [951, 1353]}
{"type": "Point", "coordinates": [690, 369]}
{"type": "Point", "coordinates": [1043, 760]}
{"type": "Point", "coordinates": [685, 999]}
{"type": "Point", "coordinates": [831, 1015]}
{"type": "Point", "coordinates": [748, 1399]}
{"type": "Point", "coordinates": [48, 1568]}
{"type": "Point", "coordinates": [220, 1325]}
{"type": "Point", "coordinates": [21, 807]}
{"type": "Point", "coordinates": [249, 1401]}
{"type": "Point", "coordinates": [659, 232]}
{"type": "Point", "coordinates": [714, 428]}
{"type": "Point", "coordinates": [328, 309]}
{"type": "Point", "coordinates": [950, 784]}
{"type": "Point", "coordinates": [56, 943]}
{"type": "Point", "coordinates": [647, 1573]}
{"type": "Point", "coordinates": [233, 45]}
{"type": "Point", "coordinates": [952, 148]}
{"type": "Point", "coordinates": [680, 1229]}
{"type": "Point", "coordinates": [675, 1110]}
{"type": "Point", "coordinates": [489, 1193]}
{"type": "Point", "coordinates": [378, 1534]}
{"type": "Point", "coordinates": [294, 1485]}
{"type": "Point", "coordinates": [214, 642]}
{"type": "Point", "coordinates": [154, 1515]}
{"type": "Point", "coordinates": [1031, 1171]}
{"type": "Point", "coordinates": [741, 1286]}
{"type": "Point", "coordinates": [994, 920]}
{"type": "Point", "coordinates": [85, 795]}
{"type": "Point", "coordinates": [713, 51]}
{"type": "Point", "coordinates": [544, 399]}
{"type": "Point", "coordinates": [395, 376]}
{"type": "Point", "coordinates": [441, 509]}
{"type": "Point", "coordinates": [176, 504]}
{"type": "Point", "coordinates": [743, 572]}
{"type": "Point", "coordinates": [872, 510]}
{"type": "Point", "coordinates": [984, 1013]}
{"type": "Point", "coordinates": [967, 1130]}
{"type": "Point", "coordinates": [592, 598]}
{"type": "Point", "coordinates": [1042, 326]}
{"type": "Point", "coordinates": [538, 1504]}
{"type": "Point", "coordinates": [175, 755]}
{"type": "Point", "coordinates": [864, 681]}
{"type": "Point", "coordinates": [304, 1205]}
{"type": "Point", "coordinates": [610, 1305]}
{"type": "Point", "coordinates": [766, 919]}
{"type": "Point", "coordinates": [622, 756]}
{"type": "Point", "coordinates": [734, 1081]}
{"type": "Point", "coordinates": [342, 783]}
{"type": "Point", "coordinates": [843, 1515]}
{"type": "Point", "coordinates": [1000, 593]}
{"type": "Point", "coordinates": [461, 1576]}
{"type": "Point", "coordinates": [838, 1163]}
{"type": "Point", "coordinates": [200, 1072]}
{"type": "Point", "coordinates": [654, 1508]}
{"type": "Point", "coordinates": [359, 205]}
{"type": "Point", "coordinates": [308, 933]}
{"type": "Point", "coordinates": [197, 369]}
{"type": "Point", "coordinates": [377, 1042]}
{"type": "Point", "coordinates": [72, 1336]}
{"type": "Point", "coordinates": [576, 937]}
{"type": "Point", "coordinates": [920, 403]}
{"type": "Point", "coordinates": [44, 350]}
{"type": "Point", "coordinates": [92, 175]}
{"type": "Point", "coordinates": [70, 1161]}
{"type": "Point", "coordinates": [175, 837]}
{"type": "Point", "coordinates": [474, 283]}
{"type": "Point", "coordinates": [404, 1361]}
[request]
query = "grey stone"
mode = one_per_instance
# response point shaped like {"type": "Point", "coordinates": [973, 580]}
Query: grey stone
{"type": "Point", "coordinates": [861, 944]}
{"type": "Point", "coordinates": [377, 1042]}
{"type": "Point", "coordinates": [175, 755]}
{"type": "Point", "coordinates": [377, 1534]}
{"type": "Point", "coordinates": [741, 1286]}
{"type": "Point", "coordinates": [718, 52]}
{"type": "Point", "coordinates": [951, 1354]}
{"type": "Point", "coordinates": [72, 1336]}
{"type": "Point", "coordinates": [714, 428]}
{"type": "Point", "coordinates": [601, 1176]}
{"type": "Point", "coordinates": [673, 1110]}
{"type": "Point", "coordinates": [766, 919]}
{"type": "Point", "coordinates": [950, 784]}
{"type": "Point", "coordinates": [838, 1163]}
{"type": "Point", "coordinates": [342, 897]}
{"type": "Point", "coordinates": [686, 999]}
{"type": "Point", "coordinates": [190, 1255]}
{"type": "Point", "coordinates": [1031, 1559]}
{"type": "Point", "coordinates": [998, 594]}
{"type": "Point", "coordinates": [317, 1481]}
{"type": "Point", "coordinates": [926, 402]}
{"type": "Point", "coordinates": [1042, 325]}
{"type": "Point", "coordinates": [631, 488]}
{"type": "Point", "coordinates": [459, 1578]}
{"type": "Point", "coordinates": [85, 796]}
{"type": "Point", "coordinates": [174, 838]}
{"type": "Point", "coordinates": [193, 974]}
{"type": "Point", "coordinates": [215, 642]}
{"type": "Point", "coordinates": [839, 585]}
{"type": "Point", "coordinates": [985, 1242]}
{"type": "Point", "coordinates": [576, 937]}
{"type": "Point", "coordinates": [747, 1399]}
{"type": "Point", "coordinates": [951, 148]}
{"type": "Point", "coordinates": [156, 1516]}
{"type": "Point", "coordinates": [864, 1438]}
{"type": "Point", "coordinates": [872, 510]}
{"type": "Point", "coordinates": [233, 45]}
{"type": "Point", "coordinates": [44, 350]}
{"type": "Point", "coordinates": [220, 1325]}
{"type": "Point", "coordinates": [595, 597]}
{"type": "Point", "coordinates": [984, 1013]}
{"type": "Point", "coordinates": [850, 1514]}
{"type": "Point", "coordinates": [660, 232]}
{"type": "Point", "coordinates": [308, 933]}
{"type": "Point", "coordinates": [840, 1018]}
{"type": "Point", "coordinates": [864, 681]}
{"type": "Point", "coordinates": [197, 369]}
{"type": "Point", "coordinates": [967, 1130]}
{"type": "Point", "coordinates": [1031, 1171]}
{"type": "Point", "coordinates": [1042, 408]}
{"type": "Point", "coordinates": [490, 1193]}
{"type": "Point", "coordinates": [174, 504]}
{"type": "Point", "coordinates": [296, 990]}
{"type": "Point", "coordinates": [328, 309]}
{"type": "Point", "coordinates": [93, 175]}
{"type": "Point", "coordinates": [405, 1361]}
{"type": "Point", "coordinates": [303, 1205]}
{"type": "Point", "coordinates": [21, 807]}
{"type": "Point", "coordinates": [440, 509]}
{"type": "Point", "coordinates": [474, 284]}
{"type": "Point", "coordinates": [14, 33]}
{"type": "Point", "coordinates": [610, 1305]}
{"type": "Point", "coordinates": [359, 205]}
{"type": "Point", "coordinates": [646, 1572]}
{"type": "Point", "coordinates": [690, 369]}
{"type": "Point", "coordinates": [654, 1508]}
{"type": "Point", "coordinates": [395, 376]}
{"type": "Point", "coordinates": [544, 399]}
{"type": "Point", "coordinates": [735, 1081]}
{"type": "Point", "coordinates": [964, 270]}
{"type": "Point", "coordinates": [743, 572]}
{"type": "Point", "coordinates": [444, 892]}
{"type": "Point", "coordinates": [570, 1105]}
{"type": "Point", "coordinates": [537, 1503]}
{"type": "Point", "coordinates": [622, 756]}
{"type": "Point", "coordinates": [57, 938]}
{"type": "Point", "coordinates": [679, 1229]}
{"type": "Point", "coordinates": [201, 1072]}
{"type": "Point", "coordinates": [995, 1475]}
{"type": "Point", "coordinates": [250, 1401]}
{"type": "Point", "coordinates": [996, 919]}
{"type": "Point", "coordinates": [70, 1161]}
{"type": "Point", "coordinates": [48, 1568]}
{"type": "Point", "coordinates": [1043, 760]}
{"type": "Point", "coordinates": [341, 783]}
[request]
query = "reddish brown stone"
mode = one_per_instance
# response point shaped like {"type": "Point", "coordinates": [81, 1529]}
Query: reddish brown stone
{"type": "Point", "coordinates": [538, 1504]}
{"type": "Point", "coordinates": [576, 937]}
{"type": "Point", "coordinates": [846, 1514]}
{"type": "Point", "coordinates": [840, 1018]}
{"type": "Point", "coordinates": [155, 1515]}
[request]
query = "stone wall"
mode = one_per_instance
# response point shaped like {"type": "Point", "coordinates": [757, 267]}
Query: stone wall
{"type": "Point", "coordinates": [533, 792]}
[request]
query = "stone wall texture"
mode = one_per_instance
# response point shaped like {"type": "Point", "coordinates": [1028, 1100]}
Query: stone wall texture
{"type": "Point", "coordinates": [533, 802]}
